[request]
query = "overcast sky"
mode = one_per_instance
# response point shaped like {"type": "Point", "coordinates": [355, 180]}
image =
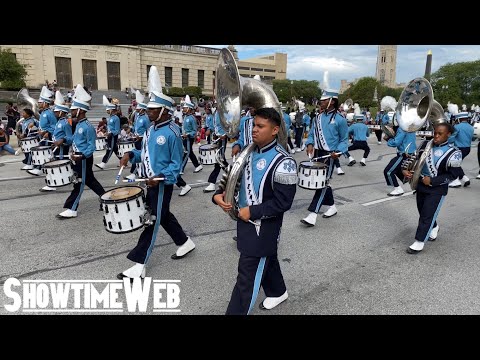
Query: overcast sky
{"type": "Point", "coordinates": [308, 62]}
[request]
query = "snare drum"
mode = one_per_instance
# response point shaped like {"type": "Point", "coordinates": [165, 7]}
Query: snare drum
{"type": "Point", "coordinates": [476, 130]}
{"type": "Point", "coordinates": [312, 175]}
{"type": "Point", "coordinates": [125, 146]}
{"type": "Point", "coordinates": [28, 143]}
{"type": "Point", "coordinates": [41, 154]}
{"type": "Point", "coordinates": [100, 143]}
{"type": "Point", "coordinates": [374, 127]}
{"type": "Point", "coordinates": [424, 133]}
{"type": "Point", "coordinates": [58, 173]}
{"type": "Point", "coordinates": [123, 209]}
{"type": "Point", "coordinates": [207, 154]}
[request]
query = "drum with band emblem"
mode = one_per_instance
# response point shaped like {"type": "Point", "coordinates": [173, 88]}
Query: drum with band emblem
{"type": "Point", "coordinates": [207, 154]}
{"type": "Point", "coordinates": [125, 146]}
{"type": "Point", "coordinates": [58, 173]}
{"type": "Point", "coordinates": [476, 130]}
{"type": "Point", "coordinates": [28, 143]}
{"type": "Point", "coordinates": [41, 154]}
{"type": "Point", "coordinates": [312, 175]}
{"type": "Point", "coordinates": [123, 209]}
{"type": "Point", "coordinates": [100, 143]}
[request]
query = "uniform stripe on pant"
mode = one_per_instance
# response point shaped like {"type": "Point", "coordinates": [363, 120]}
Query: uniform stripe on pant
{"type": "Point", "coordinates": [82, 186]}
{"type": "Point", "coordinates": [390, 179]}
{"type": "Point", "coordinates": [256, 283]}
{"type": "Point", "coordinates": [324, 190]}
{"type": "Point", "coordinates": [434, 218]}
{"type": "Point", "coordinates": [157, 222]}
{"type": "Point", "coordinates": [185, 156]}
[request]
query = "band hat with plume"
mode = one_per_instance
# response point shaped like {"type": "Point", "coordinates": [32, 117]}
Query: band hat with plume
{"type": "Point", "coordinates": [157, 98]}
{"type": "Point", "coordinates": [81, 99]}
{"type": "Point", "coordinates": [60, 103]}
{"type": "Point", "coordinates": [462, 115]}
{"type": "Point", "coordinates": [139, 98]}
{"type": "Point", "coordinates": [108, 104]}
{"type": "Point", "coordinates": [188, 103]}
{"type": "Point", "coordinates": [45, 95]}
{"type": "Point", "coordinates": [358, 112]}
{"type": "Point", "coordinates": [327, 92]}
{"type": "Point", "coordinates": [452, 108]}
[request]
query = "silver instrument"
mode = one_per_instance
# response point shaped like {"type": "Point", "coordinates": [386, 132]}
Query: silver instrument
{"type": "Point", "coordinates": [24, 100]}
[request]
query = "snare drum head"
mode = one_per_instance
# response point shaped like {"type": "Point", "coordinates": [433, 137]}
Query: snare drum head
{"type": "Point", "coordinates": [312, 165]}
{"type": "Point", "coordinates": [121, 194]}
{"type": "Point", "coordinates": [207, 147]}
{"type": "Point", "coordinates": [40, 148]}
{"type": "Point", "coordinates": [56, 163]}
{"type": "Point", "coordinates": [29, 138]}
{"type": "Point", "coordinates": [123, 142]}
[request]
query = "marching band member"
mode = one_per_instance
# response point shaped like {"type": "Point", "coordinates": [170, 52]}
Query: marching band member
{"type": "Point", "coordinates": [84, 147]}
{"type": "Point", "coordinates": [189, 134]}
{"type": "Point", "coordinates": [160, 157]}
{"type": "Point", "coordinates": [360, 133]}
{"type": "Point", "coordinates": [402, 141]}
{"type": "Point", "coordinates": [29, 125]}
{"type": "Point", "coordinates": [46, 124]}
{"type": "Point", "coordinates": [381, 118]}
{"type": "Point", "coordinates": [267, 190]}
{"type": "Point", "coordinates": [328, 135]}
{"type": "Point", "coordinates": [113, 130]}
{"type": "Point", "coordinates": [62, 136]}
{"type": "Point", "coordinates": [245, 132]}
{"type": "Point", "coordinates": [209, 127]}
{"type": "Point", "coordinates": [288, 127]}
{"type": "Point", "coordinates": [218, 129]}
{"type": "Point", "coordinates": [462, 139]}
{"type": "Point", "coordinates": [432, 187]}
{"type": "Point", "coordinates": [142, 122]}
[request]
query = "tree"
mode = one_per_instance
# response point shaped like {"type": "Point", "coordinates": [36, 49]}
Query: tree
{"type": "Point", "coordinates": [363, 90]}
{"type": "Point", "coordinates": [300, 89]}
{"type": "Point", "coordinates": [12, 73]}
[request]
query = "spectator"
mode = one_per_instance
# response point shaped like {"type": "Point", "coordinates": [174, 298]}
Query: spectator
{"type": "Point", "coordinates": [102, 127]}
{"type": "Point", "coordinates": [12, 116]}
{"type": "Point", "coordinates": [4, 141]}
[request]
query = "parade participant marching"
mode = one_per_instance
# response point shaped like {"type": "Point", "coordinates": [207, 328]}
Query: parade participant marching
{"type": "Point", "coordinates": [29, 126]}
{"type": "Point", "coordinates": [328, 136]}
{"type": "Point", "coordinates": [245, 132]}
{"type": "Point", "coordinates": [113, 130]}
{"type": "Point", "coordinates": [288, 126]}
{"type": "Point", "coordinates": [220, 132]}
{"type": "Point", "coordinates": [360, 133]}
{"type": "Point", "coordinates": [267, 190]}
{"type": "Point", "coordinates": [462, 139]}
{"type": "Point", "coordinates": [209, 127]}
{"type": "Point", "coordinates": [84, 146]}
{"type": "Point", "coordinates": [432, 187]}
{"type": "Point", "coordinates": [403, 141]}
{"type": "Point", "coordinates": [381, 118]}
{"type": "Point", "coordinates": [160, 157]}
{"type": "Point", "coordinates": [189, 134]}
{"type": "Point", "coordinates": [142, 122]}
{"type": "Point", "coordinates": [62, 136]}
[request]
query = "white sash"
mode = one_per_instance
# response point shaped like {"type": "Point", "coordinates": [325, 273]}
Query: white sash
{"type": "Point", "coordinates": [319, 138]}
{"type": "Point", "coordinates": [431, 164]}
{"type": "Point", "coordinates": [146, 166]}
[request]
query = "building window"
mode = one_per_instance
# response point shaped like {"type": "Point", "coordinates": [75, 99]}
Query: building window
{"type": "Point", "coordinates": [113, 75]}
{"type": "Point", "coordinates": [89, 68]}
{"type": "Point", "coordinates": [243, 68]}
{"type": "Point", "coordinates": [269, 70]}
{"type": "Point", "coordinates": [148, 70]}
{"type": "Point", "coordinates": [63, 70]}
{"type": "Point", "coordinates": [201, 78]}
{"type": "Point", "coordinates": [168, 76]}
{"type": "Point", "coordinates": [184, 77]}
{"type": "Point", "coordinates": [384, 57]}
{"type": "Point", "coordinates": [256, 69]}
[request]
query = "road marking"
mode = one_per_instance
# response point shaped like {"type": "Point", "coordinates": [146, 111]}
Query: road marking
{"type": "Point", "coordinates": [386, 199]}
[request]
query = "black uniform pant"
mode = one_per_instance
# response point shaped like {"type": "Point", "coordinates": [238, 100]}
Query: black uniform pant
{"type": "Point", "coordinates": [83, 170]}
{"type": "Point", "coordinates": [394, 170]}
{"type": "Point", "coordinates": [180, 182]}
{"type": "Point", "coordinates": [360, 145]}
{"type": "Point", "coordinates": [298, 136]}
{"type": "Point", "coordinates": [378, 134]}
{"type": "Point", "coordinates": [289, 141]}
{"type": "Point", "coordinates": [188, 145]}
{"type": "Point", "coordinates": [428, 206]}
{"type": "Point", "coordinates": [112, 147]}
{"type": "Point", "coordinates": [138, 146]}
{"type": "Point", "coordinates": [458, 171]}
{"type": "Point", "coordinates": [158, 200]}
{"type": "Point", "coordinates": [254, 272]}
{"type": "Point", "coordinates": [323, 196]}
{"type": "Point", "coordinates": [216, 170]}
{"type": "Point", "coordinates": [478, 157]}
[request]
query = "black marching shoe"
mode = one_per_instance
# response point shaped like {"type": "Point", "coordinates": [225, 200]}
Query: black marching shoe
{"type": "Point", "coordinates": [351, 163]}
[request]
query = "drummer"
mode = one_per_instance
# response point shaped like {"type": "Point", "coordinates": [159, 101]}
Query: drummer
{"type": "Point", "coordinates": [222, 140]}
{"type": "Point", "coordinates": [328, 136]}
{"type": "Point", "coordinates": [62, 136]}
{"type": "Point", "coordinates": [29, 127]}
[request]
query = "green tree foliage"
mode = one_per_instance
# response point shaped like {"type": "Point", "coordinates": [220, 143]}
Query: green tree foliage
{"type": "Point", "coordinates": [458, 83]}
{"type": "Point", "coordinates": [363, 90]}
{"type": "Point", "coordinates": [300, 89]}
{"type": "Point", "coordinates": [12, 73]}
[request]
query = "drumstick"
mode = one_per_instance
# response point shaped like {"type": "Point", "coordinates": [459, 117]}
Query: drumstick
{"type": "Point", "coordinates": [118, 176]}
{"type": "Point", "coordinates": [55, 149]}
{"type": "Point", "coordinates": [323, 157]}
{"type": "Point", "coordinates": [133, 180]}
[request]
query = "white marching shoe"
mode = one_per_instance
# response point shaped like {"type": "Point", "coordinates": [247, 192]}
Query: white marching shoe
{"type": "Point", "coordinates": [183, 250]}
{"type": "Point", "coordinates": [362, 162]}
{"type": "Point", "coordinates": [433, 234]}
{"type": "Point", "coordinates": [397, 191]}
{"type": "Point", "coordinates": [310, 220]}
{"type": "Point", "coordinates": [340, 171]}
{"type": "Point", "coordinates": [271, 302]}
{"type": "Point", "coordinates": [35, 172]}
{"type": "Point", "coordinates": [47, 188]}
{"type": "Point", "coordinates": [19, 150]}
{"type": "Point", "coordinates": [332, 210]}
{"type": "Point", "coordinates": [292, 151]}
{"type": "Point", "coordinates": [455, 183]}
{"type": "Point", "coordinates": [466, 181]}
{"type": "Point", "coordinates": [130, 177]}
{"type": "Point", "coordinates": [185, 190]}
{"type": "Point", "coordinates": [379, 142]}
{"type": "Point", "coordinates": [478, 177]}
{"type": "Point", "coordinates": [209, 188]}
{"type": "Point", "coordinates": [198, 168]}
{"type": "Point", "coordinates": [27, 167]}
{"type": "Point", "coordinates": [67, 214]}
{"type": "Point", "coordinates": [416, 247]}
{"type": "Point", "coordinates": [101, 165]}
{"type": "Point", "coordinates": [137, 270]}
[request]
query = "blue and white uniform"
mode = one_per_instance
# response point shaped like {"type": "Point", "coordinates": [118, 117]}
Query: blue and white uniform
{"type": "Point", "coordinates": [48, 121]}
{"type": "Point", "coordinates": [113, 130]}
{"type": "Point", "coordinates": [220, 132]}
{"type": "Point", "coordinates": [63, 130]}
{"type": "Point", "coordinates": [462, 139]}
{"type": "Point", "coordinates": [401, 141]}
{"type": "Point", "coordinates": [360, 133]}
{"type": "Point", "coordinates": [189, 127]}
{"type": "Point", "coordinates": [142, 123]}
{"type": "Point", "coordinates": [245, 136]}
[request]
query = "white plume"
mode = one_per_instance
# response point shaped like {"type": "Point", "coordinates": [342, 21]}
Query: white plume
{"type": "Point", "coordinates": [349, 117]}
{"type": "Point", "coordinates": [473, 107]}
{"type": "Point", "coordinates": [388, 103]}
{"type": "Point", "coordinates": [326, 84]}
{"type": "Point", "coordinates": [464, 107]}
{"type": "Point", "coordinates": [356, 109]}
{"type": "Point", "coordinates": [453, 108]}
{"type": "Point", "coordinates": [139, 98]}
{"type": "Point", "coordinates": [154, 82]}
{"type": "Point", "coordinates": [187, 99]}
{"type": "Point", "coordinates": [105, 101]}
{"type": "Point", "coordinates": [59, 98]}
{"type": "Point", "coordinates": [477, 108]}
